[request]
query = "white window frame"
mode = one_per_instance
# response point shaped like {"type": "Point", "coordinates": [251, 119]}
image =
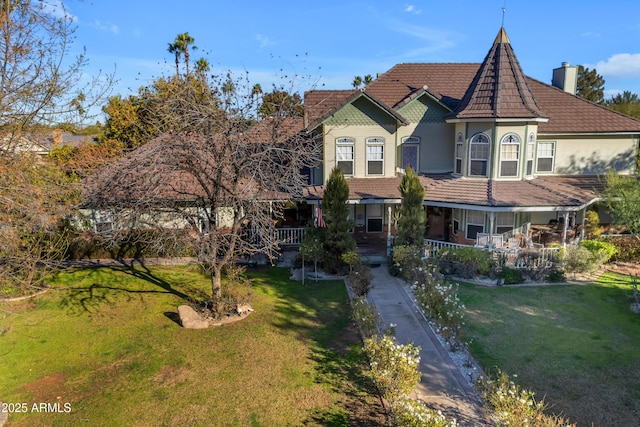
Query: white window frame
{"type": "Point", "coordinates": [459, 155]}
{"type": "Point", "coordinates": [411, 142]}
{"type": "Point", "coordinates": [346, 142]}
{"type": "Point", "coordinates": [378, 144]}
{"type": "Point", "coordinates": [479, 140]}
{"type": "Point", "coordinates": [510, 153]}
{"type": "Point", "coordinates": [531, 148]}
{"type": "Point", "coordinates": [473, 215]}
{"type": "Point", "coordinates": [375, 216]}
{"type": "Point", "coordinates": [543, 153]}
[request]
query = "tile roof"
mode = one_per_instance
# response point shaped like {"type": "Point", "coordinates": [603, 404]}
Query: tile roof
{"type": "Point", "coordinates": [448, 83]}
{"type": "Point", "coordinates": [550, 192]}
{"type": "Point", "coordinates": [499, 89]}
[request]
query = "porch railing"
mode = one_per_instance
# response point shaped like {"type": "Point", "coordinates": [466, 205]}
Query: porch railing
{"type": "Point", "coordinates": [521, 258]}
{"type": "Point", "coordinates": [432, 247]}
{"type": "Point", "coordinates": [290, 236]}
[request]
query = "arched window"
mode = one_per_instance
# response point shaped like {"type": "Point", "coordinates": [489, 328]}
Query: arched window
{"type": "Point", "coordinates": [410, 152]}
{"type": "Point", "coordinates": [509, 155]}
{"type": "Point", "coordinates": [344, 155]}
{"type": "Point", "coordinates": [375, 156]}
{"type": "Point", "coordinates": [479, 155]}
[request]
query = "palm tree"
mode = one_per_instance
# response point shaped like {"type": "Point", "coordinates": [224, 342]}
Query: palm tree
{"type": "Point", "coordinates": [368, 79]}
{"type": "Point", "coordinates": [180, 46]}
{"type": "Point", "coordinates": [202, 68]}
{"type": "Point", "coordinates": [256, 92]}
{"type": "Point", "coordinates": [357, 81]}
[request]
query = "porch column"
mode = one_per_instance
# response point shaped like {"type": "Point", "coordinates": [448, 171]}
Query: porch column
{"type": "Point", "coordinates": [389, 230]}
{"type": "Point", "coordinates": [492, 217]}
{"type": "Point", "coordinates": [565, 223]}
{"type": "Point", "coordinates": [584, 214]}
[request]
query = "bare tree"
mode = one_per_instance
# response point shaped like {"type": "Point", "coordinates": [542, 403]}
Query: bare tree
{"type": "Point", "coordinates": [39, 85]}
{"type": "Point", "coordinates": [39, 77]}
{"type": "Point", "coordinates": [218, 181]}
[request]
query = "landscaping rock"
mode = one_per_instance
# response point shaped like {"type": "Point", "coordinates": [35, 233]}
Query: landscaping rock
{"type": "Point", "coordinates": [244, 309]}
{"type": "Point", "coordinates": [190, 319]}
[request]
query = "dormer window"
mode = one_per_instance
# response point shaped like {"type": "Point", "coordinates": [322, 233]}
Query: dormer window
{"type": "Point", "coordinates": [509, 155]}
{"type": "Point", "coordinates": [479, 155]}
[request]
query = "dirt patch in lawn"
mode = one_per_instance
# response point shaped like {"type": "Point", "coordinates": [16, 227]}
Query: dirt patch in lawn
{"type": "Point", "coordinates": [47, 389]}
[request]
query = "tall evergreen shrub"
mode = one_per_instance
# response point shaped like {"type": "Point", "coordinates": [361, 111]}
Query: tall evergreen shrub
{"type": "Point", "coordinates": [338, 240]}
{"type": "Point", "coordinates": [411, 222]}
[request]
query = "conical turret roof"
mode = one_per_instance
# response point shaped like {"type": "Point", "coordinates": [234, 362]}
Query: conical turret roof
{"type": "Point", "coordinates": [499, 88]}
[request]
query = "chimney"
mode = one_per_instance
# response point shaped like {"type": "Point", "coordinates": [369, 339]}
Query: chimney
{"type": "Point", "coordinates": [565, 78]}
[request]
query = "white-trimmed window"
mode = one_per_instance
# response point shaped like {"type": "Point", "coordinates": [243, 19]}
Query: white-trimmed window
{"type": "Point", "coordinates": [531, 146]}
{"type": "Point", "coordinates": [509, 155]}
{"type": "Point", "coordinates": [344, 155]}
{"type": "Point", "coordinates": [459, 153]}
{"type": "Point", "coordinates": [504, 222]}
{"type": "Point", "coordinates": [410, 152]}
{"type": "Point", "coordinates": [375, 156]}
{"type": "Point", "coordinates": [478, 155]}
{"type": "Point", "coordinates": [546, 151]}
{"type": "Point", "coordinates": [475, 224]}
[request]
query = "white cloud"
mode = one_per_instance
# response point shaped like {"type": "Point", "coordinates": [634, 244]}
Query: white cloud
{"type": "Point", "coordinates": [113, 28]}
{"type": "Point", "coordinates": [412, 9]}
{"type": "Point", "coordinates": [58, 9]}
{"type": "Point", "coordinates": [620, 65]}
{"type": "Point", "coordinates": [264, 40]}
{"type": "Point", "coordinates": [436, 40]}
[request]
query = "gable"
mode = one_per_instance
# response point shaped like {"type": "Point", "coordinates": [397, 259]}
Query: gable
{"type": "Point", "coordinates": [423, 110]}
{"type": "Point", "coordinates": [361, 112]}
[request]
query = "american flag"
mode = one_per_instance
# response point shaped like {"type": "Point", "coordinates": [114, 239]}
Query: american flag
{"type": "Point", "coordinates": [319, 220]}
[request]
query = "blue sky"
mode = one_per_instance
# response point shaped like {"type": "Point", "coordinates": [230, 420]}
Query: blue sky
{"type": "Point", "coordinates": [326, 43]}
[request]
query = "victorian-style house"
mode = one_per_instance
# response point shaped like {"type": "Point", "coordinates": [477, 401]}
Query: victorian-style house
{"type": "Point", "coordinates": [499, 153]}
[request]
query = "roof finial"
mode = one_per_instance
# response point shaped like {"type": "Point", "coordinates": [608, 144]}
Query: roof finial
{"type": "Point", "coordinates": [504, 10]}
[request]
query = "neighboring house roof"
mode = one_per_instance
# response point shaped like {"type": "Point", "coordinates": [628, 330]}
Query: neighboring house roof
{"type": "Point", "coordinates": [542, 192]}
{"type": "Point", "coordinates": [499, 89]}
{"type": "Point", "coordinates": [449, 82]}
{"type": "Point", "coordinates": [163, 170]}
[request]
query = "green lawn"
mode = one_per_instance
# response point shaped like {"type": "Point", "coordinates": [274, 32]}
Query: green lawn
{"type": "Point", "coordinates": [576, 345]}
{"type": "Point", "coordinates": [106, 341]}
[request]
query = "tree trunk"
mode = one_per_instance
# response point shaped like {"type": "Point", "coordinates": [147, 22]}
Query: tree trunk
{"type": "Point", "coordinates": [216, 292]}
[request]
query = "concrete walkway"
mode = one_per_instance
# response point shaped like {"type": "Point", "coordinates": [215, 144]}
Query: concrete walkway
{"type": "Point", "coordinates": [442, 386]}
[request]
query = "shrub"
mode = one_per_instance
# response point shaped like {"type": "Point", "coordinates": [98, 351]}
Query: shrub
{"type": "Point", "coordinates": [405, 259]}
{"type": "Point", "coordinates": [465, 262]}
{"type": "Point", "coordinates": [407, 412]}
{"type": "Point", "coordinates": [592, 225]}
{"type": "Point", "coordinates": [511, 276]}
{"type": "Point", "coordinates": [578, 259]}
{"type": "Point", "coordinates": [440, 302]}
{"type": "Point", "coordinates": [601, 250]}
{"type": "Point", "coordinates": [394, 367]}
{"type": "Point", "coordinates": [364, 316]}
{"type": "Point", "coordinates": [352, 259]}
{"type": "Point", "coordinates": [627, 248]}
{"type": "Point", "coordinates": [556, 275]}
{"type": "Point", "coordinates": [360, 279]}
{"type": "Point", "coordinates": [513, 406]}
